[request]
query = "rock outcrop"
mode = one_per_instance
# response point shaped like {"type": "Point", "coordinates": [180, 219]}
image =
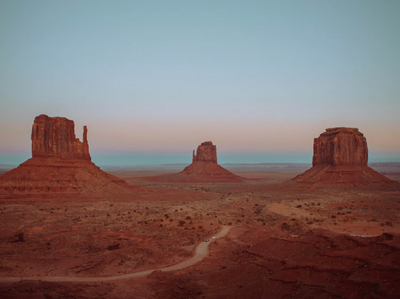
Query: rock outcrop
{"type": "Point", "coordinates": [55, 137]}
{"type": "Point", "coordinates": [60, 164]}
{"type": "Point", "coordinates": [204, 169]}
{"type": "Point", "coordinates": [206, 152]}
{"type": "Point", "coordinates": [340, 146]}
{"type": "Point", "coordinates": [340, 158]}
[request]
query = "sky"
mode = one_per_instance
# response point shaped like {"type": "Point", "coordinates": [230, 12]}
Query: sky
{"type": "Point", "coordinates": [154, 79]}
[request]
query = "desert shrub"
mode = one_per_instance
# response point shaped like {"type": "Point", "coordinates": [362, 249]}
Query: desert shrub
{"type": "Point", "coordinates": [284, 226]}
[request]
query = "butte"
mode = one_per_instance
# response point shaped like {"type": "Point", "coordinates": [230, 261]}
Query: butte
{"type": "Point", "coordinates": [204, 169]}
{"type": "Point", "coordinates": [340, 159]}
{"type": "Point", "coordinates": [60, 164]}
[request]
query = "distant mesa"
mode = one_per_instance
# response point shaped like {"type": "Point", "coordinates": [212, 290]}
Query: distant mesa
{"type": "Point", "coordinates": [206, 152]}
{"type": "Point", "coordinates": [204, 168]}
{"type": "Point", "coordinates": [60, 164]}
{"type": "Point", "coordinates": [340, 158]}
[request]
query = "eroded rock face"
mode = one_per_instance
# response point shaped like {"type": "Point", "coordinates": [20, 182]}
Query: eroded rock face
{"type": "Point", "coordinates": [340, 146]}
{"type": "Point", "coordinates": [206, 152]}
{"type": "Point", "coordinates": [340, 160]}
{"type": "Point", "coordinates": [204, 169]}
{"type": "Point", "coordinates": [55, 137]}
{"type": "Point", "coordinates": [60, 164]}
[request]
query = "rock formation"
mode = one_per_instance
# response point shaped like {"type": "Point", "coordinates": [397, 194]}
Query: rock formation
{"type": "Point", "coordinates": [55, 137]}
{"type": "Point", "coordinates": [204, 168]}
{"type": "Point", "coordinates": [206, 152]}
{"type": "Point", "coordinates": [340, 146]}
{"type": "Point", "coordinates": [340, 158]}
{"type": "Point", "coordinates": [60, 164]}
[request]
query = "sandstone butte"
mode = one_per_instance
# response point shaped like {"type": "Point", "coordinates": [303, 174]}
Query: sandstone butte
{"type": "Point", "coordinates": [60, 164]}
{"type": "Point", "coordinates": [204, 168]}
{"type": "Point", "coordinates": [340, 158]}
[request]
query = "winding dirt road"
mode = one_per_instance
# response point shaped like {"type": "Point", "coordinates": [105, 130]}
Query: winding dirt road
{"type": "Point", "coordinates": [200, 253]}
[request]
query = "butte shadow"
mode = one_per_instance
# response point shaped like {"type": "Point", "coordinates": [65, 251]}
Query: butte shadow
{"type": "Point", "coordinates": [204, 169]}
{"type": "Point", "coordinates": [340, 159]}
{"type": "Point", "coordinates": [60, 164]}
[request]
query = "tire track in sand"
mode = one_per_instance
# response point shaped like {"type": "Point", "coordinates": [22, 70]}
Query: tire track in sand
{"type": "Point", "coordinates": [200, 253]}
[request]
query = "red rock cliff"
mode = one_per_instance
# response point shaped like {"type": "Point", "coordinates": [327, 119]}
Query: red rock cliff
{"type": "Point", "coordinates": [55, 137]}
{"type": "Point", "coordinates": [340, 146]}
{"type": "Point", "coordinates": [206, 152]}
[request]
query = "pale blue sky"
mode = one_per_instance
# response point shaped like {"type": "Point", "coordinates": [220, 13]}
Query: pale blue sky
{"type": "Point", "coordinates": [255, 77]}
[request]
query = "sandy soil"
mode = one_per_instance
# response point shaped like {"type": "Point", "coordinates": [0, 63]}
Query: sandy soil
{"type": "Point", "coordinates": [286, 241]}
{"type": "Point", "coordinates": [200, 253]}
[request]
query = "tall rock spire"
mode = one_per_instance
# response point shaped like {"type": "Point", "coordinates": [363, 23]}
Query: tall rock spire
{"type": "Point", "coordinates": [60, 164]}
{"type": "Point", "coordinates": [55, 137]}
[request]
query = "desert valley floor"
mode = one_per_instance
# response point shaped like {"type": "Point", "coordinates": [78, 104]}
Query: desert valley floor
{"type": "Point", "coordinates": [286, 240]}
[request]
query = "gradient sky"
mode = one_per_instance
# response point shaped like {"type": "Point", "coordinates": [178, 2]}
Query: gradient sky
{"type": "Point", "coordinates": [259, 78]}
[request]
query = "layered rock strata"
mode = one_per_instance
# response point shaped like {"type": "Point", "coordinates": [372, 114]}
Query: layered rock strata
{"type": "Point", "coordinates": [340, 158]}
{"type": "Point", "coordinates": [340, 146]}
{"type": "Point", "coordinates": [60, 164]}
{"type": "Point", "coordinates": [55, 137]}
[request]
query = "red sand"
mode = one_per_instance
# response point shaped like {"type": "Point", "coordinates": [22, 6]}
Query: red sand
{"type": "Point", "coordinates": [292, 241]}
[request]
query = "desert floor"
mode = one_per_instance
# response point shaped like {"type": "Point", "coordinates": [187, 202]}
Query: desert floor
{"type": "Point", "coordinates": [286, 241]}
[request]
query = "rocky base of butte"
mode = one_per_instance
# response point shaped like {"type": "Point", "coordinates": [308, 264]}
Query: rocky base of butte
{"type": "Point", "coordinates": [60, 163]}
{"type": "Point", "coordinates": [341, 159]}
{"type": "Point", "coordinates": [204, 168]}
{"type": "Point", "coordinates": [66, 176]}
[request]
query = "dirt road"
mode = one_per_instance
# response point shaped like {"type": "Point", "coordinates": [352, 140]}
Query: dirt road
{"type": "Point", "coordinates": [200, 252]}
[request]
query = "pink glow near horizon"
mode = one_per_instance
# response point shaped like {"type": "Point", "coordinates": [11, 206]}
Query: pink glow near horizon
{"type": "Point", "coordinates": [235, 137]}
{"type": "Point", "coordinates": [160, 76]}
